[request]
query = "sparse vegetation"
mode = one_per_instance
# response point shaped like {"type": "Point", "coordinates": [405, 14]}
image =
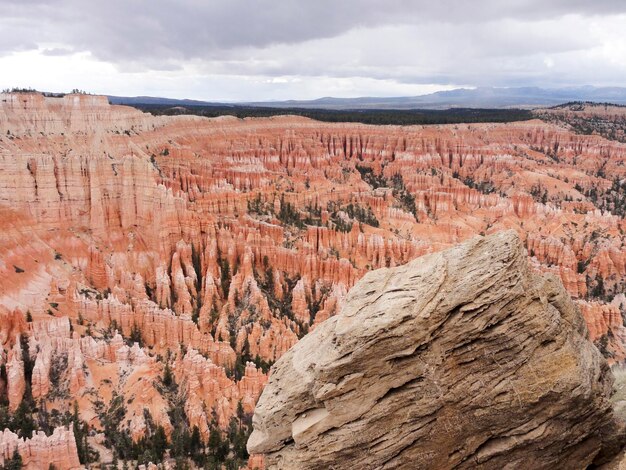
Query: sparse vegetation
{"type": "Point", "coordinates": [405, 199]}
{"type": "Point", "coordinates": [363, 215]}
{"type": "Point", "coordinates": [605, 119]}
{"type": "Point", "coordinates": [288, 214]}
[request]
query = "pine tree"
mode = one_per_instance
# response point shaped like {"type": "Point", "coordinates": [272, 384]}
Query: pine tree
{"type": "Point", "coordinates": [168, 377]}
{"type": "Point", "coordinates": [240, 412]}
{"type": "Point", "coordinates": [135, 335]}
{"type": "Point", "coordinates": [22, 422]}
{"type": "Point", "coordinates": [159, 442]}
{"type": "Point", "coordinates": [225, 276]}
{"type": "Point", "coordinates": [215, 442]}
{"type": "Point", "coordinates": [15, 462]}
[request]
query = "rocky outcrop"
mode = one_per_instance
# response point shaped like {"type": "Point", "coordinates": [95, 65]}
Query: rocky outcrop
{"type": "Point", "coordinates": [40, 451]}
{"type": "Point", "coordinates": [206, 387]}
{"type": "Point", "coordinates": [460, 359]}
{"type": "Point", "coordinates": [24, 113]}
{"type": "Point", "coordinates": [16, 383]}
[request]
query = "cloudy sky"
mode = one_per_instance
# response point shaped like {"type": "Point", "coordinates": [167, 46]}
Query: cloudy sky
{"type": "Point", "coordinates": [303, 49]}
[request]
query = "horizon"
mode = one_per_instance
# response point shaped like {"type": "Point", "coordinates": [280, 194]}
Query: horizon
{"type": "Point", "coordinates": [274, 51]}
{"type": "Point", "coordinates": [52, 93]}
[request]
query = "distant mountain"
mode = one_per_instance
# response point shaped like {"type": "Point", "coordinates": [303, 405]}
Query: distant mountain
{"type": "Point", "coordinates": [155, 100]}
{"type": "Point", "coordinates": [483, 97]}
{"type": "Point", "coordinates": [523, 97]}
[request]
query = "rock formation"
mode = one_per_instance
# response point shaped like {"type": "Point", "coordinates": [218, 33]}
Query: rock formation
{"type": "Point", "coordinates": [127, 238]}
{"type": "Point", "coordinates": [40, 451]}
{"type": "Point", "coordinates": [460, 359]}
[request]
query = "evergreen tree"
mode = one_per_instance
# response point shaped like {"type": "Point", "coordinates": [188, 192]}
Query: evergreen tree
{"type": "Point", "coordinates": [14, 463]}
{"type": "Point", "coordinates": [196, 446]}
{"type": "Point", "coordinates": [225, 276]}
{"type": "Point", "coordinates": [86, 453]}
{"type": "Point", "coordinates": [135, 335]}
{"type": "Point", "coordinates": [215, 443]}
{"type": "Point", "coordinates": [168, 377]}
{"type": "Point", "coordinates": [22, 422]}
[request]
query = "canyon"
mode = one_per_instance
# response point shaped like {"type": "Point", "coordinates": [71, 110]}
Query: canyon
{"type": "Point", "coordinates": [154, 268]}
{"type": "Point", "coordinates": [458, 359]}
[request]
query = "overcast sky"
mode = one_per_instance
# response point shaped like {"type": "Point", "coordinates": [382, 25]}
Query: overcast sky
{"type": "Point", "coordinates": [302, 49]}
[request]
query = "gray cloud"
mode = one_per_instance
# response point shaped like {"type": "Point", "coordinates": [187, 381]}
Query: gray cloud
{"type": "Point", "coordinates": [57, 51]}
{"type": "Point", "coordinates": [173, 29]}
{"type": "Point", "coordinates": [420, 41]}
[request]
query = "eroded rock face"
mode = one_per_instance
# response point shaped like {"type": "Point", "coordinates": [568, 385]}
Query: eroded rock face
{"type": "Point", "coordinates": [40, 451]}
{"type": "Point", "coordinates": [460, 359]}
{"type": "Point", "coordinates": [219, 241]}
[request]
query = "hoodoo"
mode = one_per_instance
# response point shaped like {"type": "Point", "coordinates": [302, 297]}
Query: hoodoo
{"type": "Point", "coordinates": [216, 244]}
{"type": "Point", "coordinates": [460, 359]}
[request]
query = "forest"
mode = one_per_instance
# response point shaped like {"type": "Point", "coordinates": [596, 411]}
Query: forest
{"type": "Point", "coordinates": [368, 116]}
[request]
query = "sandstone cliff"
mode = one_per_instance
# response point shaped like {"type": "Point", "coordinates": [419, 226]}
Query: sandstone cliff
{"type": "Point", "coordinates": [41, 451]}
{"type": "Point", "coordinates": [461, 359]}
{"type": "Point", "coordinates": [127, 238]}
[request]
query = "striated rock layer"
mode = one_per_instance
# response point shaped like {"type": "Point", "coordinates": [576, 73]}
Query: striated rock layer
{"type": "Point", "coordinates": [460, 359]}
{"type": "Point", "coordinates": [40, 451]}
{"type": "Point", "coordinates": [133, 245]}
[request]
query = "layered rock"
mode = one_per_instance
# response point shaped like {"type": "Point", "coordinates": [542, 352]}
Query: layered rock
{"type": "Point", "coordinates": [25, 113]}
{"type": "Point", "coordinates": [459, 359]}
{"type": "Point", "coordinates": [40, 451]}
{"type": "Point", "coordinates": [207, 388]}
{"type": "Point", "coordinates": [235, 237]}
{"type": "Point", "coordinates": [16, 383]}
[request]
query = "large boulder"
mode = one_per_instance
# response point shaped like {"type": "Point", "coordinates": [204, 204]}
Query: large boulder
{"type": "Point", "coordinates": [459, 359]}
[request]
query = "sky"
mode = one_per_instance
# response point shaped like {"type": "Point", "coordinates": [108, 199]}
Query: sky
{"type": "Point", "coordinates": [261, 50]}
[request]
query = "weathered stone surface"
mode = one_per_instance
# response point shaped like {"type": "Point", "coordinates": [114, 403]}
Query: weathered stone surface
{"type": "Point", "coordinates": [460, 359]}
{"type": "Point", "coordinates": [40, 451]}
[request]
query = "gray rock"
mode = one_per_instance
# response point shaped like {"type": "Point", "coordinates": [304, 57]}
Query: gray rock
{"type": "Point", "coordinates": [460, 359]}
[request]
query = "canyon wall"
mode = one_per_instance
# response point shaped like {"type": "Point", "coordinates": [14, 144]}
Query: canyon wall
{"type": "Point", "coordinates": [131, 244]}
